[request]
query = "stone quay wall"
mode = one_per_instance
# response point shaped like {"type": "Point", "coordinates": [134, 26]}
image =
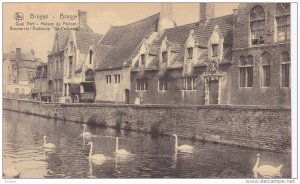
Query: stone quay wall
{"type": "Point", "coordinates": [260, 127]}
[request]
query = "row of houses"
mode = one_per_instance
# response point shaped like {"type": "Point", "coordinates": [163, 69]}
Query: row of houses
{"type": "Point", "coordinates": [19, 72]}
{"type": "Point", "coordinates": [241, 58]}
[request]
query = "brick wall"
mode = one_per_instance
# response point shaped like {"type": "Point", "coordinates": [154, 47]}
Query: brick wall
{"type": "Point", "coordinates": [272, 95]}
{"type": "Point", "coordinates": [242, 25]}
{"type": "Point", "coordinates": [264, 127]}
{"type": "Point", "coordinates": [258, 95]}
{"type": "Point", "coordinates": [174, 94]}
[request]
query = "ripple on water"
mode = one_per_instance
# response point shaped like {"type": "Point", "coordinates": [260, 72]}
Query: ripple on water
{"type": "Point", "coordinates": [152, 157]}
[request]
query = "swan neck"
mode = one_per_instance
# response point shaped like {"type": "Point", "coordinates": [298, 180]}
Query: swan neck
{"type": "Point", "coordinates": [117, 144]}
{"type": "Point", "coordinates": [256, 164]}
{"type": "Point", "coordinates": [176, 142]}
{"type": "Point", "coordinates": [91, 150]}
{"type": "Point", "coordinates": [84, 127]}
{"type": "Point", "coordinates": [44, 140]}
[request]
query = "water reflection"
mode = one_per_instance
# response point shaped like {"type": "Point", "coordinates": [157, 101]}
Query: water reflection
{"type": "Point", "coordinates": [268, 171]}
{"type": "Point", "coordinates": [151, 157]}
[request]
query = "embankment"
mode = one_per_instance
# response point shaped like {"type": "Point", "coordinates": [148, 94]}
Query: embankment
{"type": "Point", "coordinates": [263, 127]}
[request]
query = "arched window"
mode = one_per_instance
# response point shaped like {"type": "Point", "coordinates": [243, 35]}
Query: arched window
{"type": "Point", "coordinates": [91, 56]}
{"type": "Point", "coordinates": [90, 75]}
{"type": "Point", "coordinates": [257, 25]}
{"type": "Point", "coordinates": [265, 60]}
{"type": "Point", "coordinates": [283, 21]}
{"type": "Point", "coordinates": [285, 69]}
{"type": "Point", "coordinates": [246, 71]}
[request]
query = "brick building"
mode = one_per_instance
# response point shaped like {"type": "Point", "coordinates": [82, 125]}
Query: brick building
{"type": "Point", "coordinates": [241, 58]}
{"type": "Point", "coordinates": [68, 52]}
{"type": "Point", "coordinates": [40, 88]}
{"type": "Point", "coordinates": [19, 70]}
{"type": "Point", "coordinates": [213, 62]}
{"type": "Point", "coordinates": [261, 53]}
{"type": "Point", "coordinates": [119, 47]}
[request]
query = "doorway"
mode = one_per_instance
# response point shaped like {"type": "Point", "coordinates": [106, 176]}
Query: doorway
{"type": "Point", "coordinates": [126, 96]}
{"type": "Point", "coordinates": [213, 92]}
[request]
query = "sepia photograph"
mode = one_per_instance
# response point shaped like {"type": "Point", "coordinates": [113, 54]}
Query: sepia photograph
{"type": "Point", "coordinates": [159, 90]}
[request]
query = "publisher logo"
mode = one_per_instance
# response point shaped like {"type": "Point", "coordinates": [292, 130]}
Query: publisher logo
{"type": "Point", "coordinates": [19, 16]}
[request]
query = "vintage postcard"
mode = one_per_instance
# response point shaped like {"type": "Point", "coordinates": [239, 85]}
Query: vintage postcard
{"type": "Point", "coordinates": [147, 90]}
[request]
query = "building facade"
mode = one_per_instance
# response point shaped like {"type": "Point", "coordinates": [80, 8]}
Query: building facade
{"type": "Point", "coordinates": [68, 54]}
{"type": "Point", "coordinates": [119, 47]}
{"type": "Point", "coordinates": [240, 59]}
{"type": "Point", "coordinates": [187, 64]}
{"type": "Point", "coordinates": [19, 71]}
{"type": "Point", "coordinates": [213, 62]}
{"type": "Point", "coordinates": [40, 88]}
{"type": "Point", "coordinates": [261, 53]}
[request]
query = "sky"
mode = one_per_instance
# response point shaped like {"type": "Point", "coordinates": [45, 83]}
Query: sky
{"type": "Point", "coordinates": [100, 17]}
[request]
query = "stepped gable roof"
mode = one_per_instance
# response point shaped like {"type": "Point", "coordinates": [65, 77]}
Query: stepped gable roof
{"type": "Point", "coordinates": [85, 39]}
{"type": "Point", "coordinates": [124, 40]}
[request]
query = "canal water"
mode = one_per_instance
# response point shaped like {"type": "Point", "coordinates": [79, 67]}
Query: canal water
{"type": "Point", "coordinates": [150, 156]}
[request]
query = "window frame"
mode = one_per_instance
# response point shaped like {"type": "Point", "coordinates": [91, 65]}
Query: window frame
{"type": "Point", "coordinates": [212, 50]}
{"type": "Point", "coordinates": [189, 83]}
{"type": "Point", "coordinates": [142, 84]}
{"type": "Point", "coordinates": [108, 79]}
{"type": "Point", "coordinates": [265, 70]}
{"type": "Point", "coordinates": [288, 64]}
{"type": "Point", "coordinates": [286, 26]}
{"type": "Point", "coordinates": [143, 59]}
{"type": "Point", "coordinates": [162, 84]}
{"type": "Point", "coordinates": [90, 57]}
{"type": "Point", "coordinates": [260, 38]}
{"type": "Point", "coordinates": [190, 52]}
{"type": "Point", "coordinates": [265, 78]}
{"type": "Point", "coordinates": [117, 78]}
{"type": "Point", "coordinates": [164, 56]}
{"type": "Point", "coordinates": [246, 66]}
{"type": "Point", "coordinates": [70, 67]}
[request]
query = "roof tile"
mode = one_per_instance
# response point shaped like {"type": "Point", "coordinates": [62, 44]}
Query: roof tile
{"type": "Point", "coordinates": [124, 41]}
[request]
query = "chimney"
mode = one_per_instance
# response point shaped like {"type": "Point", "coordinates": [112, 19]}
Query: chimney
{"type": "Point", "coordinates": [18, 55]}
{"type": "Point", "coordinates": [207, 11]}
{"type": "Point", "coordinates": [234, 12]}
{"type": "Point", "coordinates": [166, 17]}
{"type": "Point", "coordinates": [32, 52]}
{"type": "Point", "coordinates": [82, 18]}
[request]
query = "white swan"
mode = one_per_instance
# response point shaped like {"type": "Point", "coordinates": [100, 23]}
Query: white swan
{"type": "Point", "coordinates": [120, 152]}
{"type": "Point", "coordinates": [84, 133]}
{"type": "Point", "coordinates": [97, 158]}
{"type": "Point", "coordinates": [11, 172]}
{"type": "Point", "coordinates": [268, 171]}
{"type": "Point", "coordinates": [183, 148]}
{"type": "Point", "coordinates": [48, 145]}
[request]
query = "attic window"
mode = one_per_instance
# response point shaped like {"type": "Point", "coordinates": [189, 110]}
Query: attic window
{"type": "Point", "coordinates": [142, 59]}
{"type": "Point", "coordinates": [91, 55]}
{"type": "Point", "coordinates": [164, 56]}
{"type": "Point", "coordinates": [71, 47]}
{"type": "Point", "coordinates": [214, 48]}
{"type": "Point", "coordinates": [190, 52]}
